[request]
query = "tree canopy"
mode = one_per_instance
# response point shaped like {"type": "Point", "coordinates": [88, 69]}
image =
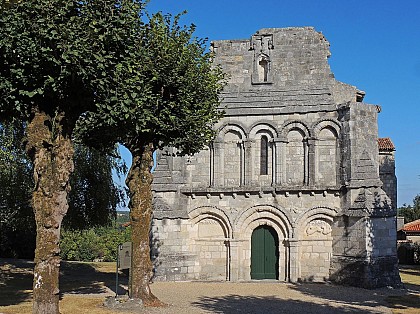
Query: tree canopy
{"type": "Point", "coordinates": [410, 212]}
{"type": "Point", "coordinates": [168, 96]}
{"type": "Point", "coordinates": [56, 57]}
{"type": "Point", "coordinates": [96, 65]}
{"type": "Point", "coordinates": [54, 53]}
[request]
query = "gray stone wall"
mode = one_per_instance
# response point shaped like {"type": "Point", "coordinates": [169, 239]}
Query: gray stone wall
{"type": "Point", "coordinates": [387, 175]}
{"type": "Point", "coordinates": [321, 193]}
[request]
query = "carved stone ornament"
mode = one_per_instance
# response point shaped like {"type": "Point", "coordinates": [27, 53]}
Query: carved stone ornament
{"type": "Point", "coordinates": [160, 205]}
{"type": "Point", "coordinates": [318, 226]}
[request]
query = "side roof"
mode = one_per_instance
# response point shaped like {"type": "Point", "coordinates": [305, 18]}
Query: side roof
{"type": "Point", "coordinates": [385, 144]}
{"type": "Point", "coordinates": [413, 226]}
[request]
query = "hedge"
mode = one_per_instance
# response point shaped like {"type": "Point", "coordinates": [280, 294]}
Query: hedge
{"type": "Point", "coordinates": [95, 244]}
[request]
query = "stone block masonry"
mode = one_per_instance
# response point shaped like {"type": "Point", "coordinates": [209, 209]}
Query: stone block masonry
{"type": "Point", "coordinates": [294, 187]}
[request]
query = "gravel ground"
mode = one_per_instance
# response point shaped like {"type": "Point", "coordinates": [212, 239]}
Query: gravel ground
{"type": "Point", "coordinates": [266, 297]}
{"type": "Point", "coordinates": [222, 297]}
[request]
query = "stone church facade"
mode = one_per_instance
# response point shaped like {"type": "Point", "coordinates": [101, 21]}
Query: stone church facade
{"type": "Point", "coordinates": [290, 189]}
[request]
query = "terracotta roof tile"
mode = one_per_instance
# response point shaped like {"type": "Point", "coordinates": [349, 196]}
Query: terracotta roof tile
{"type": "Point", "coordinates": [412, 226]}
{"type": "Point", "coordinates": [385, 143]}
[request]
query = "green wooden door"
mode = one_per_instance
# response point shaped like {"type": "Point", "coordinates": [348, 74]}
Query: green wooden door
{"type": "Point", "coordinates": [264, 253]}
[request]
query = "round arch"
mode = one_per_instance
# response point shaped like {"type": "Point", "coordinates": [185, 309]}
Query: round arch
{"type": "Point", "coordinates": [317, 213]}
{"type": "Point", "coordinates": [263, 216]}
{"type": "Point", "coordinates": [260, 215]}
{"type": "Point", "coordinates": [209, 212]}
{"type": "Point", "coordinates": [326, 123]}
{"type": "Point", "coordinates": [232, 126]}
{"type": "Point", "coordinates": [264, 126]}
{"type": "Point", "coordinates": [295, 125]}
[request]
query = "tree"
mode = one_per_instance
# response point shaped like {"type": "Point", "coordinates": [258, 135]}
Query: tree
{"type": "Point", "coordinates": [410, 213]}
{"type": "Point", "coordinates": [17, 224]}
{"type": "Point", "coordinates": [92, 201]}
{"type": "Point", "coordinates": [168, 96]}
{"type": "Point", "coordinates": [55, 60]}
{"type": "Point", "coordinates": [94, 197]}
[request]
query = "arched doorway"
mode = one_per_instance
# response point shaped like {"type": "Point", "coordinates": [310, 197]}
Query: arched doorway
{"type": "Point", "coordinates": [264, 253]}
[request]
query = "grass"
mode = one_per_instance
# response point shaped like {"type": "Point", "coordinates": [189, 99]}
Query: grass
{"type": "Point", "coordinates": [408, 303]}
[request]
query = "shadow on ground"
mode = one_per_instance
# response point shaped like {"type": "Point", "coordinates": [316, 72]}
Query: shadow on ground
{"type": "Point", "coordinates": [406, 297]}
{"type": "Point", "coordinates": [83, 278]}
{"type": "Point", "coordinates": [412, 273]}
{"type": "Point", "coordinates": [252, 304]}
{"type": "Point", "coordinates": [16, 277]}
{"type": "Point", "coordinates": [410, 299]}
{"type": "Point", "coordinates": [353, 296]}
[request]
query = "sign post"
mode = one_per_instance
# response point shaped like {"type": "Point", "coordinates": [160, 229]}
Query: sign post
{"type": "Point", "coordinates": [123, 261]}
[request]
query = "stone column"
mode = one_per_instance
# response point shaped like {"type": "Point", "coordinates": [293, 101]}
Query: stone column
{"type": "Point", "coordinates": [212, 162]}
{"type": "Point", "coordinates": [219, 160]}
{"type": "Point", "coordinates": [227, 245]}
{"type": "Point", "coordinates": [247, 162]}
{"type": "Point", "coordinates": [311, 162]}
{"type": "Point", "coordinates": [234, 260]}
{"type": "Point", "coordinates": [306, 162]}
{"type": "Point", "coordinates": [273, 163]}
{"type": "Point", "coordinates": [293, 260]}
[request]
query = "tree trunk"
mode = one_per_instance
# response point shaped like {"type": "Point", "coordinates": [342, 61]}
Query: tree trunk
{"type": "Point", "coordinates": [139, 182]}
{"type": "Point", "coordinates": [51, 151]}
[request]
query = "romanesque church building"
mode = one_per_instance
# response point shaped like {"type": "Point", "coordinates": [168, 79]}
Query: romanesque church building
{"type": "Point", "coordinates": [296, 186]}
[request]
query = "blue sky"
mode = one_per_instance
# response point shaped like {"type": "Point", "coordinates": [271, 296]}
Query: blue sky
{"type": "Point", "coordinates": [375, 45]}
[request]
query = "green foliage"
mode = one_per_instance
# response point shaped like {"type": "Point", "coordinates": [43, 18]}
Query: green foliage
{"type": "Point", "coordinates": [408, 253]}
{"type": "Point", "coordinates": [93, 244]}
{"type": "Point", "coordinates": [94, 197]}
{"type": "Point", "coordinates": [410, 212]}
{"type": "Point", "coordinates": [55, 53]}
{"type": "Point", "coordinates": [17, 224]}
{"type": "Point", "coordinates": [122, 217]}
{"type": "Point", "coordinates": [168, 95]}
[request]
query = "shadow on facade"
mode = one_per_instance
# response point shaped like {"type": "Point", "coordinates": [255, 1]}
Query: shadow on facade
{"type": "Point", "coordinates": [365, 253]}
{"type": "Point", "coordinates": [154, 244]}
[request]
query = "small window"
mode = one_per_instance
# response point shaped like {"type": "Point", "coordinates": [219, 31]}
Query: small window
{"type": "Point", "coordinates": [264, 156]}
{"type": "Point", "coordinates": [263, 70]}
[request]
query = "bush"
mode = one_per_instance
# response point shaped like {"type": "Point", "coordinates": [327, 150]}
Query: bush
{"type": "Point", "coordinates": [408, 253]}
{"type": "Point", "coordinates": [100, 243]}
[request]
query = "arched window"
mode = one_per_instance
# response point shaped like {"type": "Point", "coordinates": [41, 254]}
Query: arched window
{"type": "Point", "coordinates": [263, 70]}
{"type": "Point", "coordinates": [264, 155]}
